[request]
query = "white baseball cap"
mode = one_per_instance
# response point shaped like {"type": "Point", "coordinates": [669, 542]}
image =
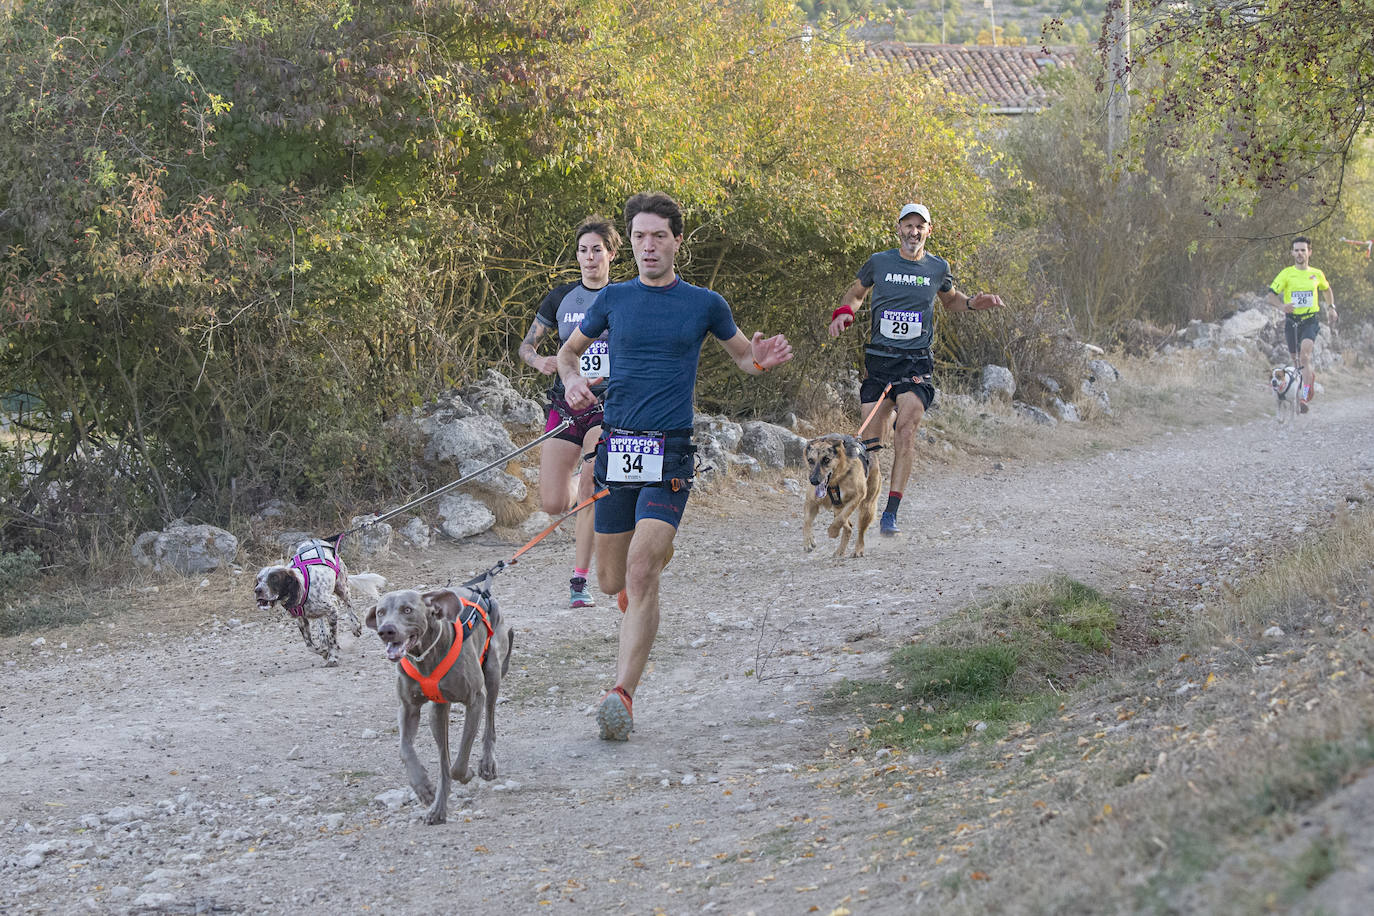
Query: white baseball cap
{"type": "Point", "coordinates": [914, 208]}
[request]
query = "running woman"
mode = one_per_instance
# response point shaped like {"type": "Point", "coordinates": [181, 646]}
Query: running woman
{"type": "Point", "coordinates": [561, 311]}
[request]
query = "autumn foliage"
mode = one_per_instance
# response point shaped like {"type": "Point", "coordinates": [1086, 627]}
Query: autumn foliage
{"type": "Point", "coordinates": [239, 238]}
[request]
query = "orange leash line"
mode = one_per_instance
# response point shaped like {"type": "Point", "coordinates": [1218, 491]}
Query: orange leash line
{"type": "Point", "coordinates": [549, 530]}
{"type": "Point", "coordinates": [869, 418]}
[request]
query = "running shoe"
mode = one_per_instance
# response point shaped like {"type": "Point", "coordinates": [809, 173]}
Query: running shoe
{"type": "Point", "coordinates": [888, 525]}
{"type": "Point", "coordinates": [615, 716]}
{"type": "Point", "coordinates": [578, 596]}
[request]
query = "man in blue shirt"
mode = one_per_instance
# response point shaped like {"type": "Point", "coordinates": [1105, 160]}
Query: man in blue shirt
{"type": "Point", "coordinates": [655, 325]}
{"type": "Point", "coordinates": [906, 282]}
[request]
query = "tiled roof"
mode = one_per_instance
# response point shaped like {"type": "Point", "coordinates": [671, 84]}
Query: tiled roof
{"type": "Point", "coordinates": [1002, 78]}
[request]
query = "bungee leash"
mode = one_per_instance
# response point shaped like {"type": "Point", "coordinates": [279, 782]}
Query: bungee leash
{"type": "Point", "coordinates": [457, 483]}
{"type": "Point", "coordinates": [482, 581]}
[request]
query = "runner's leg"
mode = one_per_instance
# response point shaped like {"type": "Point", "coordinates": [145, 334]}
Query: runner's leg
{"type": "Point", "coordinates": [557, 458]}
{"type": "Point", "coordinates": [584, 532]}
{"type": "Point", "coordinates": [648, 550]}
{"type": "Point", "coordinates": [1309, 369]}
{"type": "Point", "coordinates": [611, 553]}
{"type": "Point", "coordinates": [909, 414]}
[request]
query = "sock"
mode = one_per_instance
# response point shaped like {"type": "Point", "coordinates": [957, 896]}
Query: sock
{"type": "Point", "coordinates": [580, 573]}
{"type": "Point", "coordinates": [894, 502]}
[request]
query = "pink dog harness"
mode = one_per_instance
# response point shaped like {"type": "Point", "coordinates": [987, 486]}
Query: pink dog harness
{"type": "Point", "coordinates": [313, 555]}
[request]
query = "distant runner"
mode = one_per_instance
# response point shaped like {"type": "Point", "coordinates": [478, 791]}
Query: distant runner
{"type": "Point", "coordinates": [1297, 290]}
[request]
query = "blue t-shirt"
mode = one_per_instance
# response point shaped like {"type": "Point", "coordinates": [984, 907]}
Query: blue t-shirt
{"type": "Point", "coordinates": [903, 307]}
{"type": "Point", "coordinates": [656, 333]}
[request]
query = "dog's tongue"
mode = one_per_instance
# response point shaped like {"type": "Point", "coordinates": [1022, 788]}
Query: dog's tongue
{"type": "Point", "coordinates": [394, 650]}
{"type": "Point", "coordinates": [820, 491]}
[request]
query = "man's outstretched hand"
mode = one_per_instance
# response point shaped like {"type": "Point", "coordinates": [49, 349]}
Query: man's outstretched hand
{"type": "Point", "coordinates": [770, 352]}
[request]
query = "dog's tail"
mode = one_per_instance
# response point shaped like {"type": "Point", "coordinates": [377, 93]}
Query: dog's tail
{"type": "Point", "coordinates": [510, 645]}
{"type": "Point", "coordinates": [368, 585]}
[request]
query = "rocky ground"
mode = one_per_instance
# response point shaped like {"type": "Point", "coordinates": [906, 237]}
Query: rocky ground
{"type": "Point", "coordinates": [186, 754]}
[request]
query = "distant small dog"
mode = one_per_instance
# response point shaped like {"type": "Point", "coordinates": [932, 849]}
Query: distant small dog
{"type": "Point", "coordinates": [845, 476]}
{"type": "Point", "coordinates": [313, 587]}
{"type": "Point", "coordinates": [452, 646]}
{"type": "Point", "coordinates": [1285, 381]}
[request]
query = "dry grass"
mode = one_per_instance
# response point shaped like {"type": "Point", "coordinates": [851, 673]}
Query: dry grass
{"type": "Point", "coordinates": [1170, 783]}
{"type": "Point", "coordinates": [1316, 573]}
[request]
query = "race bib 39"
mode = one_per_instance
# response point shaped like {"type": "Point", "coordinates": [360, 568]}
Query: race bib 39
{"type": "Point", "coordinates": [595, 361]}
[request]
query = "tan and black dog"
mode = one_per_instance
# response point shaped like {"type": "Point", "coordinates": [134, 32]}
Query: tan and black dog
{"type": "Point", "coordinates": [845, 476]}
{"type": "Point", "coordinates": [451, 646]}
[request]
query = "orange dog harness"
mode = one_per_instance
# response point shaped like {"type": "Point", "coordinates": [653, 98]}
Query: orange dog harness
{"type": "Point", "coordinates": [429, 684]}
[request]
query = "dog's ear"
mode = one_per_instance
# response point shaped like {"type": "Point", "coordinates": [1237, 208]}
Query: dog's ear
{"type": "Point", "coordinates": [442, 602]}
{"type": "Point", "coordinates": [285, 582]}
{"type": "Point", "coordinates": [371, 618]}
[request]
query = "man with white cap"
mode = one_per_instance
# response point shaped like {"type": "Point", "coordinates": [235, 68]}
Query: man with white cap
{"type": "Point", "coordinates": [905, 281]}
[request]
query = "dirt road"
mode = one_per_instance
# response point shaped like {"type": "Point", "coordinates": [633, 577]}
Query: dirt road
{"type": "Point", "coordinates": [191, 756]}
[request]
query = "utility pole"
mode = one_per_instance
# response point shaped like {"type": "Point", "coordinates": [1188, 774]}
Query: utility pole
{"type": "Point", "coordinates": [992, 13]}
{"type": "Point", "coordinates": [1119, 73]}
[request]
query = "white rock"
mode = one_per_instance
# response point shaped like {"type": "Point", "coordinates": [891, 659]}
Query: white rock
{"type": "Point", "coordinates": [155, 901]}
{"type": "Point", "coordinates": [1274, 633]}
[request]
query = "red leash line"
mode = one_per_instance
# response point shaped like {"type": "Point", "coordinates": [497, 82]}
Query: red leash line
{"type": "Point", "coordinates": [868, 418]}
{"type": "Point", "coordinates": [549, 530]}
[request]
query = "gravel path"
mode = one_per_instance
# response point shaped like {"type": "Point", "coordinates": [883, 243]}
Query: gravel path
{"type": "Point", "coordinates": [202, 761]}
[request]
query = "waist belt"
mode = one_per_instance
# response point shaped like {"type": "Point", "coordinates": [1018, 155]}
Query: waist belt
{"type": "Point", "coordinates": [923, 353]}
{"type": "Point", "coordinates": [664, 433]}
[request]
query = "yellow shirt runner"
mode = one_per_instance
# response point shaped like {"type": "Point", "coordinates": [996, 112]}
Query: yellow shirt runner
{"type": "Point", "coordinates": [1299, 287]}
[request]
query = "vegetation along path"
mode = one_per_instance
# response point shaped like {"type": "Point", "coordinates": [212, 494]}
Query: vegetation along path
{"type": "Point", "coordinates": [187, 754]}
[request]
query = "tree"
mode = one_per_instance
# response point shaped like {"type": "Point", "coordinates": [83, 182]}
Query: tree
{"type": "Point", "coordinates": [240, 236]}
{"type": "Point", "coordinates": [1285, 87]}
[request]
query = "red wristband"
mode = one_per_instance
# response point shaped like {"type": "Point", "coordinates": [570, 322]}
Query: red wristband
{"type": "Point", "coordinates": [842, 310]}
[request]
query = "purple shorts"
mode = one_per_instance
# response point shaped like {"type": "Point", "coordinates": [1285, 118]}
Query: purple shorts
{"type": "Point", "coordinates": [582, 423]}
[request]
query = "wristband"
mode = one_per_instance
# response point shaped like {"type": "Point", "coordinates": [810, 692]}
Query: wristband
{"type": "Point", "coordinates": [969, 304]}
{"type": "Point", "coordinates": [842, 310]}
{"type": "Point", "coordinates": [758, 367]}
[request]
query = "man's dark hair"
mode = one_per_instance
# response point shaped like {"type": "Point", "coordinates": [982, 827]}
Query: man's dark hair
{"type": "Point", "coordinates": [1304, 239]}
{"type": "Point", "coordinates": [601, 226]}
{"type": "Point", "coordinates": [659, 205]}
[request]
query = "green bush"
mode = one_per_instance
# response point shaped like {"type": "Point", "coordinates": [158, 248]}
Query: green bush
{"type": "Point", "coordinates": [17, 570]}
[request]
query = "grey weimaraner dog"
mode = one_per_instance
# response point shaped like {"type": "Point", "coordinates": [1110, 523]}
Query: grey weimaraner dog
{"type": "Point", "coordinates": [420, 634]}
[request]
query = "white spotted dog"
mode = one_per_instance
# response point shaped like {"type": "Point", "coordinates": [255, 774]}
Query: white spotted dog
{"type": "Point", "coordinates": [313, 587]}
{"type": "Point", "coordinates": [1286, 383]}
